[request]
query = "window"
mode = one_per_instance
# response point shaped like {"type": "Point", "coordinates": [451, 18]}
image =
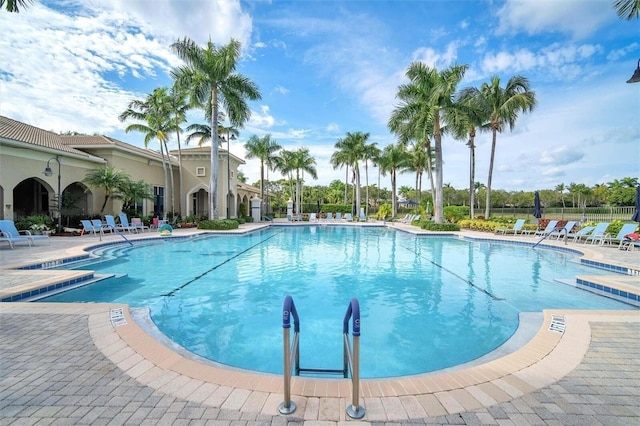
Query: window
{"type": "Point", "coordinates": [200, 171]}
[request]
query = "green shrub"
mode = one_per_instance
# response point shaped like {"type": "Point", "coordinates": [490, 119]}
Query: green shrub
{"type": "Point", "coordinates": [240, 220]}
{"type": "Point", "coordinates": [35, 223]}
{"type": "Point", "coordinates": [220, 224]}
{"type": "Point", "coordinates": [248, 219]}
{"type": "Point", "coordinates": [384, 212]}
{"type": "Point", "coordinates": [433, 226]}
{"type": "Point", "coordinates": [454, 214]}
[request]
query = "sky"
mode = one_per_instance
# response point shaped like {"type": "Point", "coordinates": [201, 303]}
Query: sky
{"type": "Point", "coordinates": [325, 68]}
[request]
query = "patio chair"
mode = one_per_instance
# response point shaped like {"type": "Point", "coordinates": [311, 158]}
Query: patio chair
{"type": "Point", "coordinates": [627, 228]}
{"type": "Point", "coordinates": [312, 217]}
{"type": "Point", "coordinates": [348, 217]}
{"type": "Point", "coordinates": [582, 233]}
{"type": "Point", "coordinates": [563, 232]}
{"type": "Point", "coordinates": [136, 222]}
{"type": "Point", "coordinates": [363, 217]}
{"type": "Point", "coordinates": [517, 227]}
{"type": "Point", "coordinates": [88, 228]}
{"type": "Point", "coordinates": [12, 239]}
{"type": "Point", "coordinates": [329, 216]}
{"type": "Point", "coordinates": [551, 226]}
{"type": "Point", "coordinates": [124, 223]}
{"type": "Point", "coordinates": [110, 225]}
{"type": "Point", "coordinates": [10, 232]}
{"type": "Point", "coordinates": [598, 233]}
{"type": "Point", "coordinates": [338, 216]}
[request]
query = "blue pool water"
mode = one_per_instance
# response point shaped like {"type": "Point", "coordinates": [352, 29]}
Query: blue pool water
{"type": "Point", "coordinates": [426, 303]}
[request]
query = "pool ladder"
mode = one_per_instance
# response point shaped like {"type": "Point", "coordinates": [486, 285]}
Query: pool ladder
{"type": "Point", "coordinates": [351, 356]}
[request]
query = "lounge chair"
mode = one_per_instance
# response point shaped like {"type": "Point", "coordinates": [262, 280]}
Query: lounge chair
{"type": "Point", "coordinates": [348, 217]}
{"type": "Point", "coordinates": [338, 216]}
{"type": "Point", "coordinates": [11, 233]}
{"type": "Point", "coordinates": [517, 227]}
{"type": "Point", "coordinates": [136, 222]}
{"type": "Point", "coordinates": [363, 217]}
{"type": "Point", "coordinates": [627, 228]}
{"type": "Point", "coordinates": [551, 226]}
{"type": "Point", "coordinates": [329, 216]}
{"type": "Point", "coordinates": [582, 233]}
{"type": "Point", "coordinates": [313, 217]}
{"type": "Point", "coordinates": [124, 223]}
{"type": "Point", "coordinates": [563, 232]}
{"type": "Point", "coordinates": [405, 218]}
{"type": "Point", "coordinates": [111, 224]}
{"type": "Point", "coordinates": [88, 228]}
{"type": "Point", "coordinates": [102, 227]}
{"type": "Point", "coordinates": [598, 233]}
{"type": "Point", "coordinates": [12, 239]}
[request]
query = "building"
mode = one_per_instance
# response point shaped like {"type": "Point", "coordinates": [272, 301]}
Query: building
{"type": "Point", "coordinates": [25, 152]}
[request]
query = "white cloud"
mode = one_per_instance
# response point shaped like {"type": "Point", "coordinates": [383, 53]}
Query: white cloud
{"type": "Point", "coordinates": [561, 156]}
{"type": "Point", "coordinates": [576, 17]}
{"type": "Point", "coordinates": [333, 127]}
{"type": "Point", "coordinates": [281, 89]}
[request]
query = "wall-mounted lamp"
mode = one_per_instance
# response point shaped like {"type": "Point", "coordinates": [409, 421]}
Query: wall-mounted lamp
{"type": "Point", "coordinates": [635, 78]}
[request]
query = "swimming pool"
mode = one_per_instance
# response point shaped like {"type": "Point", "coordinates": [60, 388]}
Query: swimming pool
{"type": "Point", "coordinates": [426, 303]}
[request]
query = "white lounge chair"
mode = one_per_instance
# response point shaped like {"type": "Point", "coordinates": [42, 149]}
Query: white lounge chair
{"type": "Point", "coordinates": [517, 227]}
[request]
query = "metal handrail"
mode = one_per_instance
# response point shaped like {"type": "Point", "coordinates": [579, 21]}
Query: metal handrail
{"type": "Point", "coordinates": [291, 353]}
{"type": "Point", "coordinates": [355, 410]}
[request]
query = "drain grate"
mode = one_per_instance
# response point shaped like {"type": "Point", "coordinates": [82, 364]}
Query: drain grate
{"type": "Point", "coordinates": [558, 324]}
{"type": "Point", "coordinates": [117, 317]}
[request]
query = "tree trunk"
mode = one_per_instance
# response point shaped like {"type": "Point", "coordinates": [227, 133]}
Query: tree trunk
{"type": "Point", "coordinates": [438, 201]}
{"type": "Point", "coordinates": [394, 204]}
{"type": "Point", "coordinates": [173, 187]}
{"type": "Point", "coordinates": [472, 176]}
{"type": "Point", "coordinates": [166, 183]}
{"type": "Point", "coordinates": [180, 174]}
{"type": "Point", "coordinates": [487, 208]}
{"type": "Point", "coordinates": [213, 180]}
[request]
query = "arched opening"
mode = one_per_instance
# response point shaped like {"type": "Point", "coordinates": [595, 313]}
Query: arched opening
{"type": "Point", "coordinates": [31, 197]}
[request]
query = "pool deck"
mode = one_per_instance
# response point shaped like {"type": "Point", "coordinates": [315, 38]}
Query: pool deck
{"type": "Point", "coordinates": [95, 364]}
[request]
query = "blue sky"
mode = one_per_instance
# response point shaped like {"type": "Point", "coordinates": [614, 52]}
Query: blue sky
{"type": "Point", "coordinates": [325, 68]}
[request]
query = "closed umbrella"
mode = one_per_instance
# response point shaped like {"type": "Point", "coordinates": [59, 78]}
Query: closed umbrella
{"type": "Point", "coordinates": [537, 212]}
{"type": "Point", "coordinates": [636, 215]}
{"type": "Point", "coordinates": [318, 207]}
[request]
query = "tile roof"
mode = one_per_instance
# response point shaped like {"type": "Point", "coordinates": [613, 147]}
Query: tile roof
{"type": "Point", "coordinates": [94, 141]}
{"type": "Point", "coordinates": [22, 132]}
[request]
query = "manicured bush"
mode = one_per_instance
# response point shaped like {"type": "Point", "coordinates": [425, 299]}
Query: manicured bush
{"type": "Point", "coordinates": [454, 214]}
{"type": "Point", "coordinates": [35, 223]}
{"type": "Point", "coordinates": [433, 226]}
{"type": "Point", "coordinates": [219, 225]}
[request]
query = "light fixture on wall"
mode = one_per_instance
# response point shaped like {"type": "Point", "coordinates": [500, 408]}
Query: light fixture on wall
{"type": "Point", "coordinates": [49, 172]}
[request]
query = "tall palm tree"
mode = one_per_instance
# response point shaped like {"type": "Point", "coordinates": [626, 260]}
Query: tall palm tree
{"type": "Point", "coordinates": [211, 79]}
{"type": "Point", "coordinates": [371, 153]}
{"type": "Point", "coordinates": [109, 179]}
{"type": "Point", "coordinates": [419, 159]}
{"type": "Point", "coordinates": [502, 106]}
{"type": "Point", "coordinates": [463, 123]}
{"type": "Point", "coordinates": [424, 103]}
{"type": "Point", "coordinates": [154, 112]}
{"type": "Point", "coordinates": [264, 149]}
{"type": "Point", "coordinates": [394, 159]}
{"type": "Point", "coordinates": [351, 150]}
{"type": "Point", "coordinates": [302, 161]}
{"type": "Point", "coordinates": [560, 188]}
{"type": "Point", "coordinates": [339, 159]}
{"type": "Point", "coordinates": [178, 109]}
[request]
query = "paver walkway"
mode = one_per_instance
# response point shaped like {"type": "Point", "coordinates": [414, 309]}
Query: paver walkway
{"type": "Point", "coordinates": [52, 373]}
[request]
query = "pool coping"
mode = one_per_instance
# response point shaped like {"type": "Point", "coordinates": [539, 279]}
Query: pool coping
{"type": "Point", "coordinates": [550, 355]}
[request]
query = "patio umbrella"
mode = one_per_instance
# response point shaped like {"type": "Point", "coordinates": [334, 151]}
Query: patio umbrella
{"type": "Point", "coordinates": [318, 207]}
{"type": "Point", "coordinates": [636, 215]}
{"type": "Point", "coordinates": [537, 212]}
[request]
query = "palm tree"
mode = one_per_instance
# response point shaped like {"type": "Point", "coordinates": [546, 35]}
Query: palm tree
{"type": "Point", "coordinates": [502, 106]}
{"type": "Point", "coordinates": [351, 149]}
{"type": "Point", "coordinates": [263, 148]}
{"type": "Point", "coordinates": [134, 191]}
{"type": "Point", "coordinates": [627, 9]}
{"type": "Point", "coordinates": [463, 122]}
{"type": "Point", "coordinates": [109, 179]}
{"type": "Point", "coordinates": [154, 111]}
{"type": "Point", "coordinates": [425, 101]}
{"type": "Point", "coordinates": [211, 79]}
{"type": "Point", "coordinates": [15, 5]}
{"type": "Point", "coordinates": [371, 152]}
{"type": "Point", "coordinates": [394, 159]}
{"type": "Point", "coordinates": [302, 161]}
{"type": "Point", "coordinates": [560, 188]}
{"type": "Point", "coordinates": [418, 161]}
{"type": "Point", "coordinates": [178, 110]}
